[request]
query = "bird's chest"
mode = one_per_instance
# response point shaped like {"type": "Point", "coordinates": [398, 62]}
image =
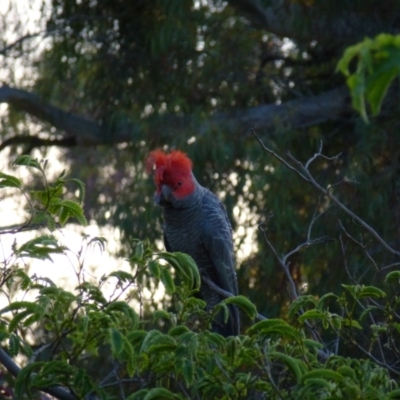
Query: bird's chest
{"type": "Point", "coordinates": [183, 232]}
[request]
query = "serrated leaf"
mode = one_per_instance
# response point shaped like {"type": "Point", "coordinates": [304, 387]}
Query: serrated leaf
{"type": "Point", "coordinates": [159, 394]}
{"type": "Point", "coordinates": [190, 268]}
{"type": "Point", "coordinates": [352, 322]}
{"type": "Point", "coordinates": [188, 371]}
{"type": "Point", "coordinates": [23, 382]}
{"type": "Point", "coordinates": [122, 276]}
{"type": "Point", "coordinates": [371, 291]}
{"type": "Point", "coordinates": [13, 345]}
{"type": "Point", "coordinates": [295, 365]}
{"type": "Point", "coordinates": [185, 267]}
{"type": "Point", "coordinates": [81, 187]}
{"type": "Point", "coordinates": [313, 344]}
{"type": "Point", "coordinates": [244, 304]}
{"type": "Point", "coordinates": [178, 330]}
{"type": "Point", "coordinates": [154, 268]}
{"type": "Point", "coordinates": [27, 161]}
{"type": "Point", "coordinates": [9, 181]}
{"type": "Point", "coordinates": [166, 279]}
{"type": "Point", "coordinates": [123, 307]}
{"type": "Point", "coordinates": [326, 296]}
{"type": "Point", "coordinates": [268, 323]}
{"type": "Point", "coordinates": [157, 349]}
{"type": "Point", "coordinates": [17, 319]}
{"type": "Point", "coordinates": [16, 305]}
{"type": "Point", "coordinates": [312, 314]}
{"type": "Point", "coordinates": [368, 310]}
{"type": "Point", "coordinates": [152, 337]}
{"type": "Point", "coordinates": [117, 342]}
{"type": "Point", "coordinates": [139, 395]}
{"type": "Point", "coordinates": [73, 209]}
{"type": "Point", "coordinates": [158, 314]}
{"type": "Point", "coordinates": [301, 302]}
{"type": "Point", "coordinates": [41, 247]}
{"type": "Point", "coordinates": [394, 275]}
{"type": "Point", "coordinates": [324, 374]}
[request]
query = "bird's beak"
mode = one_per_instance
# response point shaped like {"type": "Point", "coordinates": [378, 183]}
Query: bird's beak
{"type": "Point", "coordinates": [166, 191]}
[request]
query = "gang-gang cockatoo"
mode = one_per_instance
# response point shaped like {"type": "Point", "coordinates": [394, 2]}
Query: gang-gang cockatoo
{"type": "Point", "coordinates": [196, 223]}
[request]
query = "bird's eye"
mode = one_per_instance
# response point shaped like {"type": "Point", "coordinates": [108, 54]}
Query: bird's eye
{"type": "Point", "coordinates": [180, 183]}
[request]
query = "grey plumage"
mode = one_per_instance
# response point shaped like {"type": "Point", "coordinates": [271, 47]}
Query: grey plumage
{"type": "Point", "coordinates": [200, 228]}
{"type": "Point", "coordinates": [196, 223]}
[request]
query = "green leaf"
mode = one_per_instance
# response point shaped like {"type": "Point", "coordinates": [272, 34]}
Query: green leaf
{"type": "Point", "coordinates": [117, 342]}
{"type": "Point", "coordinates": [69, 208]}
{"type": "Point", "coordinates": [394, 394]}
{"type": "Point", "coordinates": [81, 187]}
{"type": "Point", "coordinates": [154, 268]}
{"type": "Point", "coordinates": [352, 322]}
{"type": "Point", "coordinates": [166, 279]}
{"type": "Point", "coordinates": [159, 349]}
{"type": "Point", "coordinates": [322, 300]}
{"type": "Point", "coordinates": [178, 330]}
{"type": "Point", "coordinates": [9, 181]}
{"type": "Point", "coordinates": [361, 291]}
{"type": "Point", "coordinates": [266, 324]}
{"type": "Point", "coordinates": [152, 337]}
{"type": "Point", "coordinates": [274, 327]}
{"type": "Point", "coordinates": [368, 310]}
{"type": "Point", "coordinates": [158, 314]}
{"type": "Point", "coordinates": [41, 248]}
{"type": "Point", "coordinates": [325, 374]}
{"type": "Point", "coordinates": [371, 291]}
{"type": "Point", "coordinates": [27, 161]}
{"type": "Point", "coordinates": [16, 305]}
{"type": "Point", "coordinates": [14, 345]}
{"type": "Point", "coordinates": [244, 304]}
{"type": "Point", "coordinates": [188, 371]}
{"type": "Point", "coordinates": [23, 381]}
{"type": "Point", "coordinates": [312, 314]}
{"type": "Point", "coordinates": [313, 344]}
{"type": "Point", "coordinates": [301, 302]}
{"type": "Point", "coordinates": [17, 319]}
{"type": "Point", "coordinates": [296, 366]}
{"type": "Point", "coordinates": [159, 394]}
{"type": "Point", "coordinates": [185, 267]}
{"type": "Point", "coordinates": [140, 395]}
{"type": "Point", "coordinates": [394, 275]}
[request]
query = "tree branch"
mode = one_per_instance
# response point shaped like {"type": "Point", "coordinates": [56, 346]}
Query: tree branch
{"type": "Point", "coordinates": [80, 130]}
{"type": "Point", "coordinates": [282, 18]}
{"type": "Point", "coordinates": [14, 370]}
{"type": "Point", "coordinates": [34, 141]}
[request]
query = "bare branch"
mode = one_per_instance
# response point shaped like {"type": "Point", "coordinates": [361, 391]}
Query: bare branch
{"type": "Point", "coordinates": [327, 193]}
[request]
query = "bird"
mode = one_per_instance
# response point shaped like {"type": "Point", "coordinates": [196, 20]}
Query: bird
{"type": "Point", "coordinates": [196, 223]}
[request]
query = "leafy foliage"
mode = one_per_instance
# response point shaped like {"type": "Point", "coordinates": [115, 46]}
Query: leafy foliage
{"type": "Point", "coordinates": [378, 64]}
{"type": "Point", "coordinates": [171, 354]}
{"type": "Point", "coordinates": [147, 68]}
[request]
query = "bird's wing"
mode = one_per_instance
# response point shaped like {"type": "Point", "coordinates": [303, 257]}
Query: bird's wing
{"type": "Point", "coordinates": [166, 244]}
{"type": "Point", "coordinates": [217, 238]}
